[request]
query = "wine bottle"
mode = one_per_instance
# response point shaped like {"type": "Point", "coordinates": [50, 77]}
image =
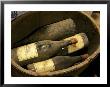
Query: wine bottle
{"type": "Point", "coordinates": [82, 41]}
{"type": "Point", "coordinates": [55, 31]}
{"type": "Point", "coordinates": [38, 51]}
{"type": "Point", "coordinates": [55, 63]}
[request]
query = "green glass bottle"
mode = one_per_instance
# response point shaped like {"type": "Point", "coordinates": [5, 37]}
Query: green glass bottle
{"type": "Point", "coordinates": [55, 63]}
{"type": "Point", "coordinates": [38, 51]}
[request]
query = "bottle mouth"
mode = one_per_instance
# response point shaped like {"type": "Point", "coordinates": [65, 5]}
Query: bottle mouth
{"type": "Point", "coordinates": [85, 56]}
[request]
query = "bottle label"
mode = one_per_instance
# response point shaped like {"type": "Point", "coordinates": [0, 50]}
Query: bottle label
{"type": "Point", "coordinates": [44, 66]}
{"type": "Point", "coordinates": [74, 47]}
{"type": "Point", "coordinates": [27, 52]}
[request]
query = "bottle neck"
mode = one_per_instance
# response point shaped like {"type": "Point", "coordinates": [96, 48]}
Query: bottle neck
{"type": "Point", "coordinates": [65, 43]}
{"type": "Point", "coordinates": [76, 59]}
{"type": "Point", "coordinates": [81, 57]}
{"type": "Point", "coordinates": [68, 42]}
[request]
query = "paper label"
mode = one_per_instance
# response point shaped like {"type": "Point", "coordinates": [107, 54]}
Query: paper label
{"type": "Point", "coordinates": [44, 66]}
{"type": "Point", "coordinates": [74, 47]}
{"type": "Point", "coordinates": [27, 52]}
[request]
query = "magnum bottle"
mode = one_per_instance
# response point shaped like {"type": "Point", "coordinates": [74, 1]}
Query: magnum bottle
{"type": "Point", "coordinates": [55, 63]}
{"type": "Point", "coordinates": [38, 51]}
{"type": "Point", "coordinates": [55, 31]}
{"type": "Point", "coordinates": [82, 41]}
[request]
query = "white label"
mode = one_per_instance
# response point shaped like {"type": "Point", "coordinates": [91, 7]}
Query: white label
{"type": "Point", "coordinates": [27, 52]}
{"type": "Point", "coordinates": [74, 47]}
{"type": "Point", "coordinates": [44, 66]}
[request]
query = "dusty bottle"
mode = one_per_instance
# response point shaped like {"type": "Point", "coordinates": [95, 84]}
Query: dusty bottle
{"type": "Point", "coordinates": [55, 31]}
{"type": "Point", "coordinates": [38, 51]}
{"type": "Point", "coordinates": [55, 63]}
{"type": "Point", "coordinates": [82, 41]}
